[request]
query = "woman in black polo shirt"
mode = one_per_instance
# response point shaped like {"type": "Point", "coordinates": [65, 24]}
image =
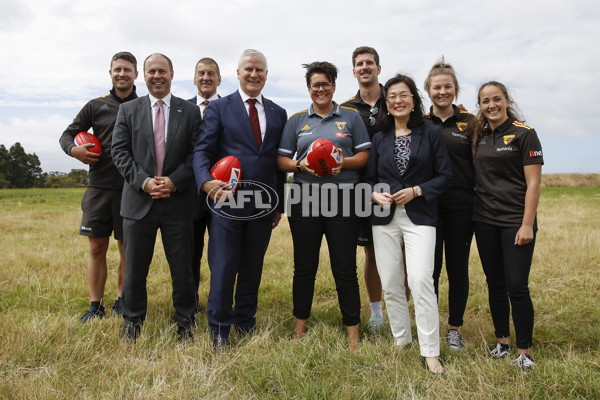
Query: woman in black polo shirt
{"type": "Point", "coordinates": [507, 157]}
{"type": "Point", "coordinates": [454, 230]}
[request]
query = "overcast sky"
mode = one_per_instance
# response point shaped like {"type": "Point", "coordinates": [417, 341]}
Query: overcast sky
{"type": "Point", "coordinates": [56, 55]}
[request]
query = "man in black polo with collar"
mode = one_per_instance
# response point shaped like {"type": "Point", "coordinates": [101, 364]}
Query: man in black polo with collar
{"type": "Point", "coordinates": [102, 198]}
{"type": "Point", "coordinates": [370, 103]}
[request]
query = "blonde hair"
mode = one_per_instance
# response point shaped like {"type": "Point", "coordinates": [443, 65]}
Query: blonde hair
{"type": "Point", "coordinates": [441, 67]}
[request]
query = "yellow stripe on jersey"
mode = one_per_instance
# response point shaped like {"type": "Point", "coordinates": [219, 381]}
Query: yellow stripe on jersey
{"type": "Point", "coordinates": [522, 125]}
{"type": "Point", "coordinates": [349, 108]}
{"type": "Point", "coordinates": [299, 112]}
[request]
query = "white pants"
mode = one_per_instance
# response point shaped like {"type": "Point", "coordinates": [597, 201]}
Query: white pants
{"type": "Point", "coordinates": [419, 244]}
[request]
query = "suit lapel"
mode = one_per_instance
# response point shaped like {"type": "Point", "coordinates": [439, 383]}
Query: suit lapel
{"type": "Point", "coordinates": [175, 113]}
{"type": "Point", "coordinates": [147, 125]}
{"type": "Point", "coordinates": [415, 142]}
{"type": "Point", "coordinates": [269, 116]}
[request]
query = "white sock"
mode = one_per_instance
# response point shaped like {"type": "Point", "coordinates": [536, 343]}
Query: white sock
{"type": "Point", "coordinates": [376, 309]}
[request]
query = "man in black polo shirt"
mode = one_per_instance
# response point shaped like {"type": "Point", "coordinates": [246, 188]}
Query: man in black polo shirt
{"type": "Point", "coordinates": [370, 103]}
{"type": "Point", "coordinates": [102, 199]}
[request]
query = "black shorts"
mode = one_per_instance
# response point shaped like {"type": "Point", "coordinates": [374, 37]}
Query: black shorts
{"type": "Point", "coordinates": [365, 232]}
{"type": "Point", "coordinates": [101, 213]}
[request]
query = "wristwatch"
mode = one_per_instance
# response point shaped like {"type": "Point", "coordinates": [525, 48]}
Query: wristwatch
{"type": "Point", "coordinates": [298, 167]}
{"type": "Point", "coordinates": [419, 192]}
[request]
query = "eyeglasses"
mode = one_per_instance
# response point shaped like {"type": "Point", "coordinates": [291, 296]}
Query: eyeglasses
{"type": "Point", "coordinates": [325, 85]}
{"type": "Point", "coordinates": [373, 111]}
{"type": "Point", "coordinates": [393, 97]}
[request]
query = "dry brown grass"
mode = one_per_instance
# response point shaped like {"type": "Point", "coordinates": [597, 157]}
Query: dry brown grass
{"type": "Point", "coordinates": [570, 180]}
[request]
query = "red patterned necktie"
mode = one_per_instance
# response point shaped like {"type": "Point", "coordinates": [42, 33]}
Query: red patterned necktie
{"type": "Point", "coordinates": [159, 137]}
{"type": "Point", "coordinates": [254, 121]}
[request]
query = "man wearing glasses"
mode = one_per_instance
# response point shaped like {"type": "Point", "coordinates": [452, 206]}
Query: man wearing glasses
{"type": "Point", "coordinates": [370, 103]}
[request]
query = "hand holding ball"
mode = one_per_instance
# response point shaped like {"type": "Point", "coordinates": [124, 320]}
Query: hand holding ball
{"type": "Point", "coordinates": [229, 170]}
{"type": "Point", "coordinates": [322, 156]}
{"type": "Point", "coordinates": [84, 138]}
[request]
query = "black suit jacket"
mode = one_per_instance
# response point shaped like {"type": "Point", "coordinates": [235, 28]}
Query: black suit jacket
{"type": "Point", "coordinates": [134, 155]}
{"type": "Point", "coordinates": [428, 167]}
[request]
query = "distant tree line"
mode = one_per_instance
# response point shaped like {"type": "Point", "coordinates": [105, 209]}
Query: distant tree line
{"type": "Point", "coordinates": [21, 170]}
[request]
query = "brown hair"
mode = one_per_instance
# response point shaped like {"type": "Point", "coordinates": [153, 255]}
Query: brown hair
{"type": "Point", "coordinates": [124, 55]}
{"type": "Point", "coordinates": [478, 125]}
{"type": "Point", "coordinates": [364, 50]}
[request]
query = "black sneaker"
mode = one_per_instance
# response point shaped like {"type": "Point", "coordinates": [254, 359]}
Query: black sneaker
{"type": "Point", "coordinates": [454, 340]}
{"type": "Point", "coordinates": [500, 351]}
{"type": "Point", "coordinates": [117, 308]}
{"type": "Point", "coordinates": [185, 335]}
{"type": "Point", "coordinates": [93, 312]}
{"type": "Point", "coordinates": [131, 331]}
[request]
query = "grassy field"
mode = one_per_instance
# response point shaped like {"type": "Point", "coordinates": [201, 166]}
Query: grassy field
{"type": "Point", "coordinates": [45, 353]}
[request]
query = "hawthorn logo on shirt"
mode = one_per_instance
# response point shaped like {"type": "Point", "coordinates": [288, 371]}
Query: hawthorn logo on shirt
{"type": "Point", "coordinates": [535, 153]}
{"type": "Point", "coordinates": [461, 126]}
{"type": "Point", "coordinates": [508, 138]}
{"type": "Point", "coordinates": [340, 125]}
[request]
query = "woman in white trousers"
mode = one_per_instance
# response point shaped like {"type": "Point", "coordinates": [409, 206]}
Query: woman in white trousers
{"type": "Point", "coordinates": [408, 167]}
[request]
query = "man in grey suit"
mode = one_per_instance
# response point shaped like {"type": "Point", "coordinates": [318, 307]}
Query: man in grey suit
{"type": "Point", "coordinates": [152, 146]}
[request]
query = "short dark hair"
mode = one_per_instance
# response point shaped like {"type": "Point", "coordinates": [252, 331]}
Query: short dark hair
{"type": "Point", "coordinates": [321, 67]}
{"type": "Point", "coordinates": [364, 50]}
{"type": "Point", "coordinates": [124, 55]}
{"type": "Point", "coordinates": [208, 60]}
{"type": "Point", "coordinates": [416, 115]}
{"type": "Point", "coordinates": [162, 55]}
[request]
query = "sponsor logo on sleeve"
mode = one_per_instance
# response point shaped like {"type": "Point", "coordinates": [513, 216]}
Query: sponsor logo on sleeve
{"type": "Point", "coordinates": [535, 153]}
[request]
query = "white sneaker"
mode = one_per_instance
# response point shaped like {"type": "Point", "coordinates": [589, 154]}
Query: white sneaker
{"type": "Point", "coordinates": [524, 361]}
{"type": "Point", "coordinates": [376, 323]}
{"type": "Point", "coordinates": [500, 351]}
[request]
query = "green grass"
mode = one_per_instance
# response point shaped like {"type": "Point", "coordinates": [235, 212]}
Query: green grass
{"type": "Point", "coordinates": [45, 353]}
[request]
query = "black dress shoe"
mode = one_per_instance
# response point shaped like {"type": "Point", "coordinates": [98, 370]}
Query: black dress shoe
{"type": "Point", "coordinates": [185, 334]}
{"type": "Point", "coordinates": [220, 344]}
{"type": "Point", "coordinates": [130, 331]}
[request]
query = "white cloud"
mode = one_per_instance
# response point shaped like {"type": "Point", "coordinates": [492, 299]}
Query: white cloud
{"type": "Point", "coordinates": [546, 52]}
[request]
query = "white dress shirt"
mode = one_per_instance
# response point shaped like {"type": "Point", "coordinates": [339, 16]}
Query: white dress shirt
{"type": "Point", "coordinates": [200, 99]}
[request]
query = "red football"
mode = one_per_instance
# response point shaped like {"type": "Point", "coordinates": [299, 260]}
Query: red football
{"type": "Point", "coordinates": [228, 169]}
{"type": "Point", "coordinates": [85, 138]}
{"type": "Point", "coordinates": [322, 156]}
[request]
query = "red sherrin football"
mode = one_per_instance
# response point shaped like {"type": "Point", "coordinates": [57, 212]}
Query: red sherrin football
{"type": "Point", "coordinates": [85, 138]}
{"type": "Point", "coordinates": [322, 156]}
{"type": "Point", "coordinates": [227, 169]}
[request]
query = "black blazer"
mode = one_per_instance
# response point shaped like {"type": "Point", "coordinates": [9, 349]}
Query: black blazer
{"type": "Point", "coordinates": [428, 167]}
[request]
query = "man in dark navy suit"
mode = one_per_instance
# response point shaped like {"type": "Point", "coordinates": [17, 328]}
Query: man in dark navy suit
{"type": "Point", "coordinates": [207, 77]}
{"type": "Point", "coordinates": [152, 147]}
{"type": "Point", "coordinates": [248, 126]}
